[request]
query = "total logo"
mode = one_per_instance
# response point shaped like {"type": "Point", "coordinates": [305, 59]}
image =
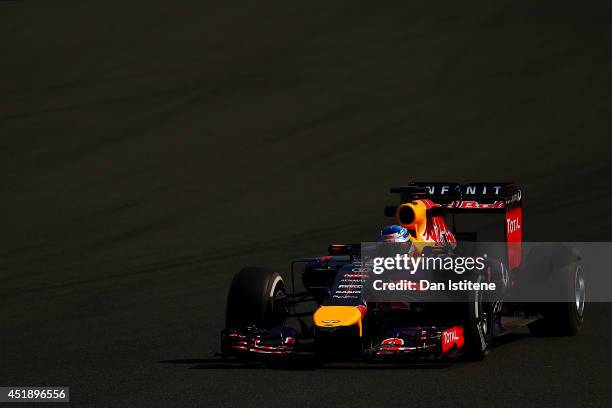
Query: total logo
{"type": "Point", "coordinates": [450, 336]}
{"type": "Point", "coordinates": [513, 225]}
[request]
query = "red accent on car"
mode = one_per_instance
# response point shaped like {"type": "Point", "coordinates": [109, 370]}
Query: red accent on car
{"type": "Point", "coordinates": [452, 337]}
{"type": "Point", "coordinates": [362, 309]}
{"type": "Point", "coordinates": [514, 228]}
{"type": "Point", "coordinates": [464, 205]}
{"type": "Point", "coordinates": [393, 341]}
{"type": "Point", "coordinates": [438, 231]}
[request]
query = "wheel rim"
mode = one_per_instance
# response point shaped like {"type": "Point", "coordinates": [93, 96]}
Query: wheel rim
{"type": "Point", "coordinates": [483, 319]}
{"type": "Point", "coordinates": [579, 291]}
{"type": "Point", "coordinates": [276, 292]}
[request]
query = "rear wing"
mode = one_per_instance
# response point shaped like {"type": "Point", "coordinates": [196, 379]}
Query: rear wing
{"type": "Point", "coordinates": [477, 197]}
{"type": "Point", "coordinates": [456, 198]}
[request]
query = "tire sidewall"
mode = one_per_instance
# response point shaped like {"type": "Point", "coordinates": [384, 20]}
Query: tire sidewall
{"type": "Point", "coordinates": [251, 297]}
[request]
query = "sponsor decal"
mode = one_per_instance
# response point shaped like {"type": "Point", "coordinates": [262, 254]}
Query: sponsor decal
{"type": "Point", "coordinates": [513, 225]}
{"type": "Point", "coordinates": [514, 238]}
{"type": "Point", "coordinates": [452, 337]}
{"type": "Point", "coordinates": [478, 205]}
{"type": "Point", "coordinates": [350, 281]}
{"type": "Point", "coordinates": [467, 189]}
{"type": "Point", "coordinates": [515, 198]}
{"type": "Point", "coordinates": [483, 189]}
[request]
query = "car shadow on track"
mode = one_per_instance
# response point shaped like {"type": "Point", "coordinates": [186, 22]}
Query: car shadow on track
{"type": "Point", "coordinates": [302, 364]}
{"type": "Point", "coordinates": [508, 338]}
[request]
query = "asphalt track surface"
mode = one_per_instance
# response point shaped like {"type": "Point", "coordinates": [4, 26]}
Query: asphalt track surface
{"type": "Point", "coordinates": [149, 150]}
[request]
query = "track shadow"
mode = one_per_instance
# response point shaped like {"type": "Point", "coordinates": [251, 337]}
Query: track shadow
{"type": "Point", "coordinates": [214, 363]}
{"type": "Point", "coordinates": [509, 338]}
{"type": "Point", "coordinates": [306, 363]}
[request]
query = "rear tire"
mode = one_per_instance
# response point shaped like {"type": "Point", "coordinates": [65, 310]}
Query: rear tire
{"type": "Point", "coordinates": [253, 298]}
{"type": "Point", "coordinates": [478, 326]}
{"type": "Point", "coordinates": [557, 265]}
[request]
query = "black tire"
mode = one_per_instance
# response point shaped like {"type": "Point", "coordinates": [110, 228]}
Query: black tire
{"type": "Point", "coordinates": [557, 267]}
{"type": "Point", "coordinates": [478, 326]}
{"type": "Point", "coordinates": [251, 298]}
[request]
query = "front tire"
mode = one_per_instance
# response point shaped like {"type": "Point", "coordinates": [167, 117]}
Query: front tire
{"type": "Point", "coordinates": [253, 298]}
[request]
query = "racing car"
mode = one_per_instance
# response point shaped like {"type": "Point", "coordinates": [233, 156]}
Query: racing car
{"type": "Point", "coordinates": [323, 309]}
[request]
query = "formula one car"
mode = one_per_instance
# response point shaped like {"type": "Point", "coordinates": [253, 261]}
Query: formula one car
{"type": "Point", "coordinates": [328, 313]}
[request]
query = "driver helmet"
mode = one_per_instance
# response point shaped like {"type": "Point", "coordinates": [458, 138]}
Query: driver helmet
{"type": "Point", "coordinates": [394, 233]}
